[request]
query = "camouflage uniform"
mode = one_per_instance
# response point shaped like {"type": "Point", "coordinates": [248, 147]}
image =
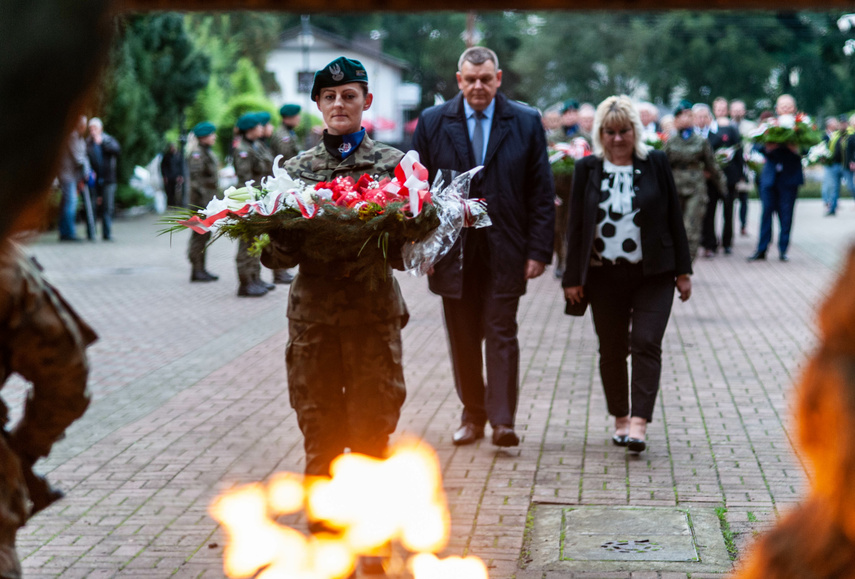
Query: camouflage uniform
{"type": "Point", "coordinates": [283, 142]}
{"type": "Point", "coordinates": [690, 159]}
{"type": "Point", "coordinates": [204, 186]}
{"type": "Point", "coordinates": [345, 379]}
{"type": "Point", "coordinates": [563, 185]}
{"type": "Point", "coordinates": [43, 340]}
{"type": "Point", "coordinates": [253, 162]}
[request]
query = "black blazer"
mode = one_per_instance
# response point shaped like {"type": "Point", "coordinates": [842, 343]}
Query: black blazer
{"type": "Point", "coordinates": [664, 246]}
{"type": "Point", "coordinates": [728, 136]}
{"type": "Point", "coordinates": [516, 182]}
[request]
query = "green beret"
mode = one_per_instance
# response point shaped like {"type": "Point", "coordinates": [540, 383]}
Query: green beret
{"type": "Point", "coordinates": [289, 110]}
{"type": "Point", "coordinates": [684, 105]}
{"type": "Point", "coordinates": [247, 122]}
{"type": "Point", "coordinates": [569, 104]}
{"type": "Point", "coordinates": [204, 129]}
{"type": "Point", "coordinates": [340, 71]}
{"type": "Point", "coordinates": [263, 117]}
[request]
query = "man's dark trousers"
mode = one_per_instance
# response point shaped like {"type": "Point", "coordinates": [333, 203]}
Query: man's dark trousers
{"type": "Point", "coordinates": [780, 199]}
{"type": "Point", "coordinates": [479, 316]}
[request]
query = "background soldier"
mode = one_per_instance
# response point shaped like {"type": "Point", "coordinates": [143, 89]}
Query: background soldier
{"type": "Point", "coordinates": [252, 163]}
{"type": "Point", "coordinates": [284, 142]}
{"type": "Point", "coordinates": [43, 340]}
{"type": "Point", "coordinates": [204, 186]}
{"type": "Point", "coordinates": [693, 164]}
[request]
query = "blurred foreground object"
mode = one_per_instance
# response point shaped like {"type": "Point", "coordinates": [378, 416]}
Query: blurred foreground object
{"type": "Point", "coordinates": [817, 539]}
{"type": "Point", "coordinates": [53, 51]}
{"type": "Point", "coordinates": [44, 341]}
{"type": "Point", "coordinates": [366, 505]}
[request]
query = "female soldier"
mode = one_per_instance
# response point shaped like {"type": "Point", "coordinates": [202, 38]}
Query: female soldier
{"type": "Point", "coordinates": [343, 358]}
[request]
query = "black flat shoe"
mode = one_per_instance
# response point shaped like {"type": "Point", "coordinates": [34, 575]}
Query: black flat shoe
{"type": "Point", "coordinates": [620, 439]}
{"type": "Point", "coordinates": [636, 445]}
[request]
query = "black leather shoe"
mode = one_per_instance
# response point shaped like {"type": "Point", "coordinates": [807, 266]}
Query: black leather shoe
{"type": "Point", "coordinates": [783, 257]}
{"type": "Point", "coordinates": [467, 434]}
{"type": "Point", "coordinates": [505, 436]}
{"type": "Point", "coordinates": [635, 445]}
{"type": "Point", "coordinates": [620, 439]}
{"type": "Point", "coordinates": [758, 256]}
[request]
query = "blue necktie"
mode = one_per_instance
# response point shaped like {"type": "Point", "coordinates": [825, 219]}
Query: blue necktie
{"type": "Point", "coordinates": [478, 139]}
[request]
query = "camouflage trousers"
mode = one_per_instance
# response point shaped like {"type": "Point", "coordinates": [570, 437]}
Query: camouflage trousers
{"type": "Point", "coordinates": [13, 510]}
{"type": "Point", "coordinates": [694, 208]}
{"type": "Point", "coordinates": [248, 266]}
{"type": "Point", "coordinates": [346, 384]}
{"type": "Point", "coordinates": [196, 249]}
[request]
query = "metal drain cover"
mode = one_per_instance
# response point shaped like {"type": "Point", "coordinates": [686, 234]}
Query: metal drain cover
{"type": "Point", "coordinates": [608, 539]}
{"type": "Point", "coordinates": [642, 546]}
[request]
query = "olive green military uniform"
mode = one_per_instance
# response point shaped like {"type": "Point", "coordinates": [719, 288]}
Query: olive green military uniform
{"type": "Point", "coordinates": [689, 159]}
{"type": "Point", "coordinates": [253, 162]}
{"type": "Point", "coordinates": [43, 340]}
{"type": "Point", "coordinates": [204, 186]}
{"type": "Point", "coordinates": [345, 378]}
{"type": "Point", "coordinates": [563, 186]}
{"type": "Point", "coordinates": [283, 142]}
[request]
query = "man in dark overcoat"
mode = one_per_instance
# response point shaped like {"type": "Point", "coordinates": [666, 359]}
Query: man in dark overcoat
{"type": "Point", "coordinates": [483, 276]}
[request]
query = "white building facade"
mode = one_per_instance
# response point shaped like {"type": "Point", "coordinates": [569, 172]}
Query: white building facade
{"type": "Point", "coordinates": [303, 50]}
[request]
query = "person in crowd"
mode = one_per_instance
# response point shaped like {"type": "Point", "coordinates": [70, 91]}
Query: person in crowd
{"type": "Point", "coordinates": [74, 169]}
{"type": "Point", "coordinates": [103, 151]}
{"type": "Point", "coordinates": [666, 123]}
{"type": "Point", "coordinates": [586, 118]}
{"type": "Point", "coordinates": [336, 322]}
{"type": "Point", "coordinates": [737, 117]}
{"type": "Point", "coordinates": [694, 167]}
{"type": "Point", "coordinates": [204, 186]}
{"type": "Point", "coordinates": [839, 143]}
{"type": "Point", "coordinates": [817, 538]}
{"type": "Point", "coordinates": [626, 252]}
{"type": "Point", "coordinates": [284, 142]}
{"type": "Point", "coordinates": [43, 341]}
{"type": "Point", "coordinates": [264, 145]}
{"type": "Point", "coordinates": [727, 146]}
{"type": "Point", "coordinates": [569, 127]}
{"type": "Point", "coordinates": [551, 120]}
{"type": "Point", "coordinates": [172, 171]}
{"type": "Point", "coordinates": [649, 117]}
{"type": "Point", "coordinates": [745, 128]}
{"type": "Point", "coordinates": [483, 276]}
{"type": "Point", "coordinates": [252, 163]}
{"type": "Point", "coordinates": [779, 185]}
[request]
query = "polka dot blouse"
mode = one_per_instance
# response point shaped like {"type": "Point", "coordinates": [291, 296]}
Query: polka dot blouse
{"type": "Point", "coordinates": [617, 237]}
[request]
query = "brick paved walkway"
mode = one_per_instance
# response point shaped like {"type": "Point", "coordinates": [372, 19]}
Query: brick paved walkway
{"type": "Point", "coordinates": [189, 398]}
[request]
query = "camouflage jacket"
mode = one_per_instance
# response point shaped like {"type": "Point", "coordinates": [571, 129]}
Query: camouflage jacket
{"type": "Point", "coordinates": [204, 176]}
{"type": "Point", "coordinates": [559, 135]}
{"type": "Point", "coordinates": [284, 142]}
{"type": "Point", "coordinates": [253, 162]}
{"type": "Point", "coordinates": [689, 159]}
{"type": "Point", "coordinates": [325, 292]}
{"type": "Point", "coordinates": [44, 341]}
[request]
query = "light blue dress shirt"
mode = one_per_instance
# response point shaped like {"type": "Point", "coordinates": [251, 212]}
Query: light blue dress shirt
{"type": "Point", "coordinates": [486, 122]}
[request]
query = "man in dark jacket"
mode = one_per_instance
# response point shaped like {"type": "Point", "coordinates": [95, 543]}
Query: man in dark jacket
{"type": "Point", "coordinates": [103, 152]}
{"type": "Point", "coordinates": [485, 273]}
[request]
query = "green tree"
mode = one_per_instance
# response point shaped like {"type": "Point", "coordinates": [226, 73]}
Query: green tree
{"type": "Point", "coordinates": [237, 106]}
{"type": "Point", "coordinates": [245, 80]}
{"type": "Point", "coordinates": [154, 76]}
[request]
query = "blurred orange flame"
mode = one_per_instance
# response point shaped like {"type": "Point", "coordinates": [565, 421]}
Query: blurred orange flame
{"type": "Point", "coordinates": [371, 503]}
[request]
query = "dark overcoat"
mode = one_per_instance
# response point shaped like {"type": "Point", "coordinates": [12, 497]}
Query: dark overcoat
{"type": "Point", "coordinates": [516, 182]}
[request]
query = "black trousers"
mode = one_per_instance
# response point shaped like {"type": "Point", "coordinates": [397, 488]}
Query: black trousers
{"type": "Point", "coordinates": [630, 312]}
{"type": "Point", "coordinates": [480, 319]}
{"type": "Point", "coordinates": [710, 241]}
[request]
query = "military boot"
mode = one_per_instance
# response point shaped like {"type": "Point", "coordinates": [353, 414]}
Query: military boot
{"type": "Point", "coordinates": [282, 276]}
{"type": "Point", "coordinates": [250, 288]}
{"type": "Point", "coordinates": [199, 274]}
{"type": "Point", "coordinates": [262, 283]}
